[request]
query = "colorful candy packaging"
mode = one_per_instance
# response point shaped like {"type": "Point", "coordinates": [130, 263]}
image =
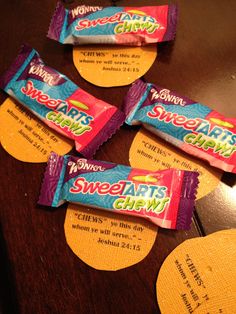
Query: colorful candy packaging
{"type": "Point", "coordinates": [193, 127]}
{"type": "Point", "coordinates": [60, 103]}
{"type": "Point", "coordinates": [164, 197]}
{"type": "Point", "coordinates": [113, 25]}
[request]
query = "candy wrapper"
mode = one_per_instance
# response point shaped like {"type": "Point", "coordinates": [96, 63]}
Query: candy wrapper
{"type": "Point", "coordinates": [60, 103]}
{"type": "Point", "coordinates": [164, 197]}
{"type": "Point", "coordinates": [113, 25]}
{"type": "Point", "coordinates": [193, 127]}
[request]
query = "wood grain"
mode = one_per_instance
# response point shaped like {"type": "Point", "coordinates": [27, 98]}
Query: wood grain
{"type": "Point", "coordinates": [39, 273]}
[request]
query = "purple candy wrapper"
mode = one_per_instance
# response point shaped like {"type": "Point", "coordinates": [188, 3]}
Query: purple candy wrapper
{"type": "Point", "coordinates": [60, 103]}
{"type": "Point", "coordinates": [164, 197]}
{"type": "Point", "coordinates": [134, 26]}
{"type": "Point", "coordinates": [185, 123]}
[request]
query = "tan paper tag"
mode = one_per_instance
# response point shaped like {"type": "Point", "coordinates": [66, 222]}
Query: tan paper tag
{"type": "Point", "coordinates": [112, 65]}
{"type": "Point", "coordinates": [105, 240]}
{"type": "Point", "coordinates": [199, 276]}
{"type": "Point", "coordinates": [149, 152]}
{"type": "Point", "coordinates": [25, 137]}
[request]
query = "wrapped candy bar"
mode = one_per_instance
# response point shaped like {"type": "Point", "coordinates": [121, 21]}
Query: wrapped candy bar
{"type": "Point", "coordinates": [191, 126]}
{"type": "Point", "coordinates": [113, 25]}
{"type": "Point", "coordinates": [164, 197]}
{"type": "Point", "coordinates": [60, 103]}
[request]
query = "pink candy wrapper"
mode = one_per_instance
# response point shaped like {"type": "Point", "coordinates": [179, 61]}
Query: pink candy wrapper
{"type": "Point", "coordinates": [60, 103]}
{"type": "Point", "coordinates": [185, 123]}
{"type": "Point", "coordinates": [164, 197]}
{"type": "Point", "coordinates": [113, 25]}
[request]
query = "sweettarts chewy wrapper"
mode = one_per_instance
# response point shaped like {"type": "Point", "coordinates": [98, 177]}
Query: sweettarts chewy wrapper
{"type": "Point", "coordinates": [113, 25]}
{"type": "Point", "coordinates": [164, 197]}
{"type": "Point", "coordinates": [191, 126]}
{"type": "Point", "coordinates": [60, 103]}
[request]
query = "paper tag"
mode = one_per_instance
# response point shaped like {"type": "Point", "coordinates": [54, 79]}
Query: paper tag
{"type": "Point", "coordinates": [149, 152]}
{"type": "Point", "coordinates": [108, 66]}
{"type": "Point", "coordinates": [108, 241]}
{"type": "Point", "coordinates": [25, 137]}
{"type": "Point", "coordinates": [203, 276]}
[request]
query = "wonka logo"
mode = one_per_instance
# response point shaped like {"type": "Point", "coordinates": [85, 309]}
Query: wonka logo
{"type": "Point", "coordinates": [39, 70]}
{"type": "Point", "coordinates": [84, 164]}
{"type": "Point", "coordinates": [164, 94]}
{"type": "Point", "coordinates": [82, 9]}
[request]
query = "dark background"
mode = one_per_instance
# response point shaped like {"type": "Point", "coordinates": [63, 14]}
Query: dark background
{"type": "Point", "coordinates": [38, 271]}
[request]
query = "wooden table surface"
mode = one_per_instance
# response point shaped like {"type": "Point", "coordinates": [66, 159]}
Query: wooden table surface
{"type": "Point", "coordinates": [39, 273]}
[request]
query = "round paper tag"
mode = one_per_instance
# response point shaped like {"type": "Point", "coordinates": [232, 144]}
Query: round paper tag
{"type": "Point", "coordinates": [203, 276]}
{"type": "Point", "coordinates": [108, 66]}
{"type": "Point", "coordinates": [25, 137]}
{"type": "Point", "coordinates": [105, 240]}
{"type": "Point", "coordinates": [149, 152]}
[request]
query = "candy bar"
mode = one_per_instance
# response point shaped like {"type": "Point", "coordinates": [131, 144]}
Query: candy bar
{"type": "Point", "coordinates": [60, 103]}
{"type": "Point", "coordinates": [164, 197]}
{"type": "Point", "coordinates": [113, 25]}
{"type": "Point", "coordinates": [189, 125]}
